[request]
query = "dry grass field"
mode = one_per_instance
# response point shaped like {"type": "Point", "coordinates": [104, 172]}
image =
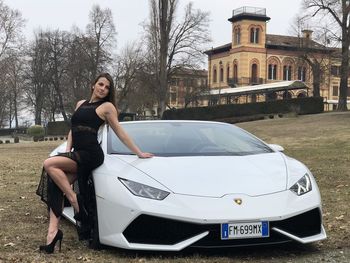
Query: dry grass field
{"type": "Point", "coordinates": [321, 141]}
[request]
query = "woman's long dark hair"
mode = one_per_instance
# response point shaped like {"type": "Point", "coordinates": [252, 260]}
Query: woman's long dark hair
{"type": "Point", "coordinates": [111, 94]}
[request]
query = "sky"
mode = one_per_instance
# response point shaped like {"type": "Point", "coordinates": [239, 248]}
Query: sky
{"type": "Point", "coordinates": [130, 14]}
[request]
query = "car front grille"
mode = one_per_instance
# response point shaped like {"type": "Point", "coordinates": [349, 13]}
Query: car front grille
{"type": "Point", "coordinates": [146, 229]}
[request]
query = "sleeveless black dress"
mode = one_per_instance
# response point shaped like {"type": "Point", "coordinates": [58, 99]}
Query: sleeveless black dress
{"type": "Point", "coordinates": [87, 153]}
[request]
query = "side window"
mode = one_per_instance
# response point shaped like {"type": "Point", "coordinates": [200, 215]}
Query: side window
{"type": "Point", "coordinates": [254, 35]}
{"type": "Point", "coordinates": [272, 72]}
{"type": "Point", "coordinates": [215, 75]}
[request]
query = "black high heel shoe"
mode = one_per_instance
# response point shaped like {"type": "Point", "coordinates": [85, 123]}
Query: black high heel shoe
{"type": "Point", "coordinates": [51, 247]}
{"type": "Point", "coordinates": [83, 215]}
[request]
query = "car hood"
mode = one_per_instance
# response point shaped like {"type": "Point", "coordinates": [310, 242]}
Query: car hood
{"type": "Point", "coordinates": [216, 176]}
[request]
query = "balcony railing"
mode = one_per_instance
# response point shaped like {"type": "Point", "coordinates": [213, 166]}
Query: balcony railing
{"type": "Point", "coordinates": [249, 10]}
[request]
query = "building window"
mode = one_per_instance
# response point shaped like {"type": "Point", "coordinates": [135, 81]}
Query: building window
{"type": "Point", "coordinates": [221, 74]}
{"type": "Point", "coordinates": [215, 76]}
{"type": "Point", "coordinates": [254, 35]}
{"type": "Point", "coordinates": [335, 90]}
{"type": "Point", "coordinates": [235, 71]}
{"type": "Point", "coordinates": [287, 72]}
{"type": "Point", "coordinates": [272, 72]}
{"type": "Point", "coordinates": [335, 71]}
{"type": "Point", "coordinates": [302, 73]}
{"type": "Point", "coordinates": [237, 36]}
{"type": "Point", "coordinates": [227, 73]}
{"type": "Point", "coordinates": [254, 75]}
{"type": "Point", "coordinates": [173, 97]}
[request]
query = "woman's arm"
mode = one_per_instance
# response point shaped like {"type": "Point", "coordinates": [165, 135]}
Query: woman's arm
{"type": "Point", "coordinates": [111, 117]}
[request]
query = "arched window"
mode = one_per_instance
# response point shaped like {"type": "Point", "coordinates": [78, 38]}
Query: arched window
{"type": "Point", "coordinates": [254, 76]}
{"type": "Point", "coordinates": [272, 72]}
{"type": "Point", "coordinates": [215, 75]}
{"type": "Point", "coordinates": [287, 72]}
{"type": "Point", "coordinates": [221, 74]}
{"type": "Point", "coordinates": [301, 95]}
{"type": "Point", "coordinates": [287, 95]}
{"type": "Point", "coordinates": [254, 35]}
{"type": "Point", "coordinates": [302, 73]}
{"type": "Point", "coordinates": [235, 71]}
{"type": "Point", "coordinates": [227, 73]}
{"type": "Point", "coordinates": [237, 36]}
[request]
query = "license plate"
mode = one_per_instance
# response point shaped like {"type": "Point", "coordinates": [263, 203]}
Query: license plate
{"type": "Point", "coordinates": [245, 230]}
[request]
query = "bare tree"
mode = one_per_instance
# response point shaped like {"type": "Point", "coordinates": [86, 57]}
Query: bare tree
{"type": "Point", "coordinates": [339, 12]}
{"type": "Point", "coordinates": [4, 95]}
{"type": "Point", "coordinates": [100, 37]}
{"type": "Point", "coordinates": [38, 76]}
{"type": "Point", "coordinates": [58, 43]}
{"type": "Point", "coordinates": [173, 44]}
{"type": "Point", "coordinates": [11, 24]}
{"type": "Point", "coordinates": [78, 70]}
{"type": "Point", "coordinates": [15, 84]}
{"type": "Point", "coordinates": [127, 71]}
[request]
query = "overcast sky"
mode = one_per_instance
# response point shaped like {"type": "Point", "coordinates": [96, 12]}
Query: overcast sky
{"type": "Point", "coordinates": [129, 14]}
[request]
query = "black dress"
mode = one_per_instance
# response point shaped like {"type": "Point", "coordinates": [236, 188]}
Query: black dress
{"type": "Point", "coordinates": [87, 153]}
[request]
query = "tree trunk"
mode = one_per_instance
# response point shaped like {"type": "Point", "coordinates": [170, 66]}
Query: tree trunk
{"type": "Point", "coordinates": [344, 69]}
{"type": "Point", "coordinates": [15, 110]}
{"type": "Point", "coordinates": [316, 71]}
{"type": "Point", "coordinates": [164, 43]}
{"type": "Point", "coordinates": [37, 120]}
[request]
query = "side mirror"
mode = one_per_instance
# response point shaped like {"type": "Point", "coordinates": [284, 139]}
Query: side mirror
{"type": "Point", "coordinates": [276, 147]}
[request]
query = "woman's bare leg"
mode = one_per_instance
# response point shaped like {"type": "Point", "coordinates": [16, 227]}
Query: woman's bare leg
{"type": "Point", "coordinates": [57, 168]}
{"type": "Point", "coordinates": [53, 220]}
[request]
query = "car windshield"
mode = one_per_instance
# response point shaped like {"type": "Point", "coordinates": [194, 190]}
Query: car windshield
{"type": "Point", "coordinates": [187, 139]}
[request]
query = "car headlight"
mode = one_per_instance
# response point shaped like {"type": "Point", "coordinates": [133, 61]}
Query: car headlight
{"type": "Point", "coordinates": [302, 186]}
{"type": "Point", "coordinates": [143, 190]}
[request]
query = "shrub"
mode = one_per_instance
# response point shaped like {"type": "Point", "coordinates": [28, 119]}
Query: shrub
{"type": "Point", "coordinates": [7, 141]}
{"type": "Point", "coordinates": [16, 139]}
{"type": "Point", "coordinates": [1, 142]}
{"type": "Point", "coordinates": [307, 105]}
{"type": "Point", "coordinates": [37, 131]}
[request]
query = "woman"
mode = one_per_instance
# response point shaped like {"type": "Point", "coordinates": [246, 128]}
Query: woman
{"type": "Point", "coordinates": [65, 168]}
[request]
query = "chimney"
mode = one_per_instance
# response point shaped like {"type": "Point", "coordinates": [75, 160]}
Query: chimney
{"type": "Point", "coordinates": [307, 34]}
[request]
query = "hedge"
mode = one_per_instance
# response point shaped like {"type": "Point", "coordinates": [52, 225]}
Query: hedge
{"type": "Point", "coordinates": [36, 131]}
{"type": "Point", "coordinates": [309, 105]}
{"type": "Point", "coordinates": [58, 128]}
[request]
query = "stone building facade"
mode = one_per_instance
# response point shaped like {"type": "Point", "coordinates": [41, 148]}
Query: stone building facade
{"type": "Point", "coordinates": [254, 57]}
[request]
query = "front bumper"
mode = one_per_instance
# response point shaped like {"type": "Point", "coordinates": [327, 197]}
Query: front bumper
{"type": "Point", "coordinates": [180, 221]}
{"type": "Point", "coordinates": [146, 229]}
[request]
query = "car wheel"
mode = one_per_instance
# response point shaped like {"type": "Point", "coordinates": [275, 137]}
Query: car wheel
{"type": "Point", "coordinates": [94, 241]}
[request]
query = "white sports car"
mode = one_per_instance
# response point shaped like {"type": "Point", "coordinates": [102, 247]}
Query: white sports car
{"type": "Point", "coordinates": [210, 184]}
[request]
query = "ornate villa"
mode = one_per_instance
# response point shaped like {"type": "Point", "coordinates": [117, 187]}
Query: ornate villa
{"type": "Point", "coordinates": [255, 57]}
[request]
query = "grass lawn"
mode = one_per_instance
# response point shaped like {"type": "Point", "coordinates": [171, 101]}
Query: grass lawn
{"type": "Point", "coordinates": [320, 141]}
